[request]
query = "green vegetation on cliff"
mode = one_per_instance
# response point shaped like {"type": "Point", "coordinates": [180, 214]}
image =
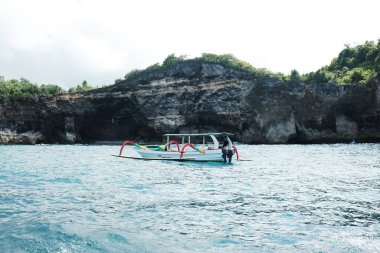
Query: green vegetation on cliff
{"type": "Point", "coordinates": [226, 60]}
{"type": "Point", "coordinates": [81, 88]}
{"type": "Point", "coordinates": [354, 65]}
{"type": "Point", "coordinates": [24, 90]}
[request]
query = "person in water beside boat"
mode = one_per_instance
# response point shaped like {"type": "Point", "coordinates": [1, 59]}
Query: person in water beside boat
{"type": "Point", "coordinates": [227, 149]}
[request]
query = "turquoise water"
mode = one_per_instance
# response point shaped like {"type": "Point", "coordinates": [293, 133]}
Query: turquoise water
{"type": "Point", "coordinates": [314, 198]}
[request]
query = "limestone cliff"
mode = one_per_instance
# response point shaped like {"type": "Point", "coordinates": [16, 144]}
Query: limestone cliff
{"type": "Point", "coordinates": [201, 97]}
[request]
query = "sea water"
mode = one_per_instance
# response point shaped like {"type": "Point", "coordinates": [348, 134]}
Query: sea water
{"type": "Point", "coordinates": [288, 198]}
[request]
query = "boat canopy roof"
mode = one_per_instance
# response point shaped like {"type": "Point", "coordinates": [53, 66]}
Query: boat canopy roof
{"type": "Point", "coordinates": [201, 134]}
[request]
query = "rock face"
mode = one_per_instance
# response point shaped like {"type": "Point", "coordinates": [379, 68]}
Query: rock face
{"type": "Point", "coordinates": [202, 97]}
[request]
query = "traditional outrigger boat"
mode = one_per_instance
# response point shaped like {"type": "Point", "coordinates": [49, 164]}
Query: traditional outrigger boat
{"type": "Point", "coordinates": [183, 148]}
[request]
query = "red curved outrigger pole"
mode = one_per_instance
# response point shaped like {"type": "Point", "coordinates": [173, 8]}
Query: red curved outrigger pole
{"type": "Point", "coordinates": [125, 143]}
{"type": "Point", "coordinates": [236, 151]}
{"type": "Point", "coordinates": [183, 149]}
{"type": "Point", "coordinates": [176, 143]}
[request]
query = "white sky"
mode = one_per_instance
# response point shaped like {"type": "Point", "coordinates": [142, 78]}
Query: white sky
{"type": "Point", "coordinates": [67, 41]}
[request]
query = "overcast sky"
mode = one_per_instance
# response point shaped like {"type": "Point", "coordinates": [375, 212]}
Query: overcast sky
{"type": "Point", "coordinates": [67, 41]}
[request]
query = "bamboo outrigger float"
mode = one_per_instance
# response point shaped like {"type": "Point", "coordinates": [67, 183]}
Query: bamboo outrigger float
{"type": "Point", "coordinates": [182, 149]}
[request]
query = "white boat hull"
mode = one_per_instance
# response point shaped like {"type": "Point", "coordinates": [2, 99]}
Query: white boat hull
{"type": "Point", "coordinates": [209, 155]}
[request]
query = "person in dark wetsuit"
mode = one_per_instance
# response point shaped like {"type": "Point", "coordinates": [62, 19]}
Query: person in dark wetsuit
{"type": "Point", "coordinates": [227, 150]}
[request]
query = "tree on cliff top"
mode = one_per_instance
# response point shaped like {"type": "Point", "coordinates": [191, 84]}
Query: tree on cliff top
{"type": "Point", "coordinates": [294, 76]}
{"type": "Point", "coordinates": [354, 65]}
{"type": "Point", "coordinates": [172, 60]}
{"type": "Point", "coordinates": [81, 88]}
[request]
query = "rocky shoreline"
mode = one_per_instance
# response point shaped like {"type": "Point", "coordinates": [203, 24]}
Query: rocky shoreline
{"type": "Point", "coordinates": [201, 97]}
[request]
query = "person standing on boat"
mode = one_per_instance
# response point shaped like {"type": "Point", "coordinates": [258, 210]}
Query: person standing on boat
{"type": "Point", "coordinates": [227, 149]}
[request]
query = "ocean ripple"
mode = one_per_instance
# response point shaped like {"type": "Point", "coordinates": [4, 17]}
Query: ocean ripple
{"type": "Point", "coordinates": [297, 198]}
